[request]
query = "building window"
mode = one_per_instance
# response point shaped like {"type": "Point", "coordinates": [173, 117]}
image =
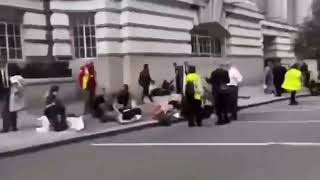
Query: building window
{"type": "Point", "coordinates": [84, 33]}
{"type": "Point", "coordinates": [206, 46]}
{"type": "Point", "coordinates": [10, 41]}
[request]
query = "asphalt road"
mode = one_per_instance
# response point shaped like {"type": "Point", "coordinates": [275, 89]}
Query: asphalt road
{"type": "Point", "coordinates": [236, 160]}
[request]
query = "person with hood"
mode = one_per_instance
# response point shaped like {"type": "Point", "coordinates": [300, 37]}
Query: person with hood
{"type": "Point", "coordinates": [55, 110]}
{"type": "Point", "coordinates": [15, 102]}
{"type": "Point", "coordinates": [194, 96]}
{"type": "Point", "coordinates": [293, 83]}
{"type": "Point", "coordinates": [145, 81]}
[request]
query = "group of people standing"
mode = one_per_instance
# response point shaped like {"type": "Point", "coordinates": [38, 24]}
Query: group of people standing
{"type": "Point", "coordinates": [224, 81]}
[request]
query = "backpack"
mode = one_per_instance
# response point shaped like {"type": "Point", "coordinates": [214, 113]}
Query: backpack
{"type": "Point", "coordinates": [190, 92]}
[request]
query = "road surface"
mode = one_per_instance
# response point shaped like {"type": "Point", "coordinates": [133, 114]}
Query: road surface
{"type": "Point", "coordinates": [272, 142]}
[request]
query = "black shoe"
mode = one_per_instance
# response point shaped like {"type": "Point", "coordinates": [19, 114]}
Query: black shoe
{"type": "Point", "coordinates": [294, 103]}
{"type": "Point", "coordinates": [15, 129]}
{"type": "Point", "coordinates": [221, 123]}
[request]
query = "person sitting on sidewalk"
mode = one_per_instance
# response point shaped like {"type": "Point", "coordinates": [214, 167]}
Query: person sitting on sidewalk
{"type": "Point", "coordinates": [158, 91]}
{"type": "Point", "coordinates": [116, 107]}
{"type": "Point", "coordinates": [55, 110]}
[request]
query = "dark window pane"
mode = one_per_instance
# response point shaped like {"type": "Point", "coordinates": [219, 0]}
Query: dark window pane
{"type": "Point", "coordinates": [10, 29]}
{"type": "Point", "coordinates": [80, 31]}
{"type": "Point", "coordinates": [11, 42]}
{"type": "Point", "coordinates": [76, 42]}
{"type": "Point", "coordinates": [18, 42]}
{"type": "Point", "coordinates": [93, 40]}
{"type": "Point", "coordinates": [81, 42]}
{"type": "Point", "coordinates": [94, 52]}
{"type": "Point", "coordinates": [75, 31]}
{"type": "Point", "coordinates": [19, 54]}
{"type": "Point", "coordinates": [17, 30]}
{"type": "Point", "coordinates": [88, 42]}
{"type": "Point", "coordinates": [76, 52]}
{"type": "Point", "coordinates": [3, 41]}
{"type": "Point", "coordinates": [3, 52]}
{"type": "Point", "coordinates": [87, 29]}
{"type": "Point", "coordinates": [89, 54]}
{"type": "Point", "coordinates": [2, 29]}
{"type": "Point", "coordinates": [82, 53]}
{"type": "Point", "coordinates": [93, 31]}
{"type": "Point", "coordinates": [12, 54]}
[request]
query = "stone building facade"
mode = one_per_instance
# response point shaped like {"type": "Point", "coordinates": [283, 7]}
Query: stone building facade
{"type": "Point", "coordinates": [122, 35]}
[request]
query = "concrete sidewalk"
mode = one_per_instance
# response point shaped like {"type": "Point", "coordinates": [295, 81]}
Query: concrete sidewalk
{"type": "Point", "coordinates": [27, 139]}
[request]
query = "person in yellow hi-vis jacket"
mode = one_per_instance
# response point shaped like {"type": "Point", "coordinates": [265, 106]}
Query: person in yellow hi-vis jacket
{"type": "Point", "coordinates": [194, 96]}
{"type": "Point", "coordinates": [293, 82]}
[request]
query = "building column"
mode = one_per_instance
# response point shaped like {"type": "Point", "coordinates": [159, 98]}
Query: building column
{"type": "Point", "coordinates": [35, 36]}
{"type": "Point", "coordinates": [303, 10]}
{"type": "Point", "coordinates": [278, 9]}
{"type": "Point", "coordinates": [61, 36]}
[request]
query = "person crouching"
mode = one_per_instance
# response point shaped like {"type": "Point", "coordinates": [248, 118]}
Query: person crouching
{"type": "Point", "coordinates": [55, 110]}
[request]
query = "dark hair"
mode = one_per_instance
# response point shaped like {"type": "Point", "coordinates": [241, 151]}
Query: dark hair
{"type": "Point", "coordinates": [126, 86]}
{"type": "Point", "coordinates": [54, 88]}
{"type": "Point", "coordinates": [145, 66]}
{"type": "Point", "coordinates": [295, 66]}
{"type": "Point", "coordinates": [192, 69]}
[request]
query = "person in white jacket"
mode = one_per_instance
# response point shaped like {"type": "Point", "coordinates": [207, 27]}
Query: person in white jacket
{"type": "Point", "coordinates": [235, 79]}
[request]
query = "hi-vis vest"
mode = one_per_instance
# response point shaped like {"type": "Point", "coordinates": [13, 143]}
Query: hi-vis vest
{"type": "Point", "coordinates": [196, 80]}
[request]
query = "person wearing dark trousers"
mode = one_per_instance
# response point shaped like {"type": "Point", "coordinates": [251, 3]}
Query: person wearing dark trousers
{"type": "Point", "coordinates": [220, 91]}
{"type": "Point", "coordinates": [278, 77]}
{"type": "Point", "coordinates": [179, 77]}
{"type": "Point", "coordinates": [235, 79]}
{"type": "Point", "coordinates": [9, 118]}
{"type": "Point", "coordinates": [194, 96]}
{"type": "Point", "coordinates": [14, 103]}
{"type": "Point", "coordinates": [293, 83]}
{"type": "Point", "coordinates": [145, 81]}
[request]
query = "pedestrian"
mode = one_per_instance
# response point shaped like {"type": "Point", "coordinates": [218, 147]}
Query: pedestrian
{"type": "Point", "coordinates": [278, 78]}
{"type": "Point", "coordinates": [15, 102]}
{"type": "Point", "coordinates": [235, 79]}
{"type": "Point", "coordinates": [179, 77]}
{"type": "Point", "coordinates": [293, 83]}
{"type": "Point", "coordinates": [87, 79]}
{"type": "Point", "coordinates": [55, 110]}
{"type": "Point", "coordinates": [194, 96]}
{"type": "Point", "coordinates": [219, 79]}
{"type": "Point", "coordinates": [145, 81]}
{"type": "Point", "coordinates": [124, 96]}
{"type": "Point", "coordinates": [268, 78]}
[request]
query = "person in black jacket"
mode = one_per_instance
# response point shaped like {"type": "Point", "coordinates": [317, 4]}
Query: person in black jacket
{"type": "Point", "coordinates": [145, 81]}
{"type": "Point", "coordinates": [219, 80]}
{"type": "Point", "coordinates": [55, 110]}
{"type": "Point", "coordinates": [279, 73]}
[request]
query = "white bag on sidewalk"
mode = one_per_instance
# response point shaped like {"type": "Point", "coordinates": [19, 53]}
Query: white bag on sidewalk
{"type": "Point", "coordinates": [75, 123]}
{"type": "Point", "coordinates": [45, 125]}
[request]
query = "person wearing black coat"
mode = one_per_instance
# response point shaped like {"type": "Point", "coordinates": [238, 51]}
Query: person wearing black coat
{"type": "Point", "coordinates": [145, 81]}
{"type": "Point", "coordinates": [279, 73]}
{"type": "Point", "coordinates": [219, 80]}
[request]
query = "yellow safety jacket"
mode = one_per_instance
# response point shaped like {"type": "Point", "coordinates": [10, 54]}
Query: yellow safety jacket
{"type": "Point", "coordinates": [198, 88]}
{"type": "Point", "coordinates": [293, 80]}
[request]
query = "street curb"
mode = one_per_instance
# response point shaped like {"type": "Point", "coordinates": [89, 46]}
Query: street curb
{"type": "Point", "coordinates": [40, 147]}
{"type": "Point", "coordinates": [109, 132]}
{"type": "Point", "coordinates": [270, 102]}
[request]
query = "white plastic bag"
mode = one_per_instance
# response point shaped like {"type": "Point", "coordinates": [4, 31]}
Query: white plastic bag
{"type": "Point", "coordinates": [45, 125]}
{"type": "Point", "coordinates": [75, 123]}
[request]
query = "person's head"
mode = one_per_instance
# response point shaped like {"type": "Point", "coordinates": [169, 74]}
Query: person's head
{"type": "Point", "coordinates": [228, 65]}
{"type": "Point", "coordinates": [54, 90]}
{"type": "Point", "coordinates": [146, 66]}
{"type": "Point", "coordinates": [153, 82]}
{"type": "Point", "coordinates": [295, 66]}
{"type": "Point", "coordinates": [192, 69]}
{"type": "Point", "coordinates": [126, 87]}
{"type": "Point", "coordinates": [175, 64]}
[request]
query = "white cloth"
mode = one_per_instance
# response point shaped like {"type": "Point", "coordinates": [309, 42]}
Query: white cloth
{"type": "Point", "coordinates": [17, 99]}
{"type": "Point", "coordinates": [235, 77]}
{"type": "Point", "coordinates": [75, 123]}
{"type": "Point", "coordinates": [44, 125]}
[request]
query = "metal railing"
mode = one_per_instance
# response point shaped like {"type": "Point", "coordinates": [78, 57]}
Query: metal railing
{"type": "Point", "coordinates": [206, 46]}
